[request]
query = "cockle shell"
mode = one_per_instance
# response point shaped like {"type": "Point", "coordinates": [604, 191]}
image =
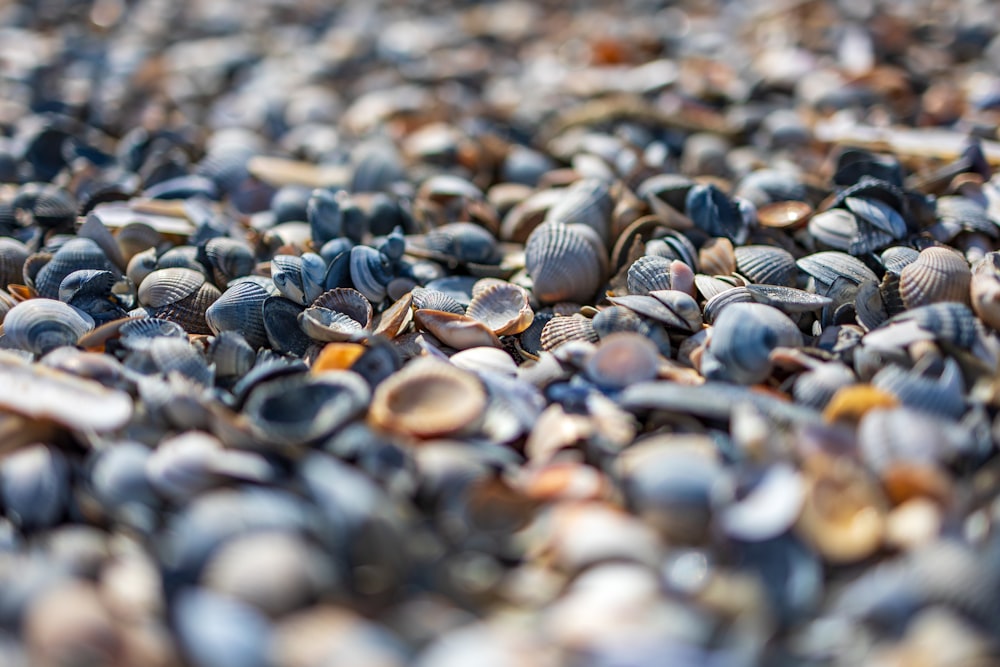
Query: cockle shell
{"type": "Point", "coordinates": [240, 308]}
{"type": "Point", "coordinates": [566, 263]}
{"type": "Point", "coordinates": [938, 274]}
{"type": "Point", "coordinates": [503, 307]}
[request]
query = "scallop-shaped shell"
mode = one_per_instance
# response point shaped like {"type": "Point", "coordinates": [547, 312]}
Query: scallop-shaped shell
{"type": "Point", "coordinates": [138, 333]}
{"type": "Point", "coordinates": [13, 253]}
{"type": "Point", "coordinates": [40, 325]}
{"type": "Point", "coordinates": [370, 272]}
{"type": "Point", "coordinates": [432, 299]}
{"type": "Point", "coordinates": [349, 302]}
{"type": "Point", "coordinates": [985, 289]}
{"type": "Point", "coordinates": [948, 321]}
{"type": "Point", "coordinates": [299, 278]}
{"type": "Point", "coordinates": [240, 308]}
{"type": "Point", "coordinates": [673, 308]}
{"type": "Point", "coordinates": [895, 258]}
{"type": "Point", "coordinates": [623, 359]}
{"type": "Point", "coordinates": [742, 339]}
{"type": "Point", "coordinates": [457, 331]}
{"type": "Point", "coordinates": [75, 254]}
{"type": "Point", "coordinates": [503, 307]}
{"type": "Point", "coordinates": [766, 265]}
{"type": "Point", "coordinates": [460, 242]}
{"type": "Point", "coordinates": [561, 330]}
{"type": "Point", "coordinates": [829, 267]}
{"type": "Point", "coordinates": [717, 257]}
{"type": "Point", "coordinates": [302, 408]}
{"type": "Point", "coordinates": [836, 228]}
{"type": "Point", "coordinates": [228, 258]}
{"type": "Point", "coordinates": [648, 273]}
{"type": "Point", "coordinates": [565, 263]}
{"type": "Point", "coordinates": [168, 286]}
{"type": "Point", "coordinates": [938, 274]}
{"type": "Point", "coordinates": [428, 398]}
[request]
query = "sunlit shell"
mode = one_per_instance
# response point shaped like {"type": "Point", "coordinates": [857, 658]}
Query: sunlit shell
{"type": "Point", "coordinates": [40, 325]}
{"type": "Point", "coordinates": [766, 265]}
{"type": "Point", "coordinates": [648, 273]}
{"type": "Point", "coordinates": [349, 302]}
{"type": "Point", "coordinates": [457, 331]}
{"type": "Point", "coordinates": [489, 359]}
{"type": "Point", "coordinates": [432, 299]}
{"type": "Point", "coordinates": [850, 403]}
{"type": "Point", "coordinates": [561, 330]}
{"type": "Point", "coordinates": [428, 398]}
{"type": "Point", "coordinates": [717, 257]}
{"type": "Point", "coordinates": [325, 325]}
{"type": "Point", "coordinates": [784, 214]}
{"type": "Point", "coordinates": [77, 253]}
{"type": "Point", "coordinates": [240, 308]}
{"type": "Point", "coordinates": [741, 342]}
{"type": "Point", "coordinates": [502, 307]}
{"type": "Point", "coordinates": [938, 274]}
{"type": "Point", "coordinates": [168, 286]}
{"type": "Point", "coordinates": [566, 263]}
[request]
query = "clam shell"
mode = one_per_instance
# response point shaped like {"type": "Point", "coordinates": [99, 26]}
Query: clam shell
{"type": "Point", "coordinates": [565, 263]}
{"type": "Point", "coordinates": [766, 265]}
{"type": "Point", "coordinates": [830, 266]}
{"type": "Point", "coordinates": [228, 258]}
{"type": "Point", "coordinates": [648, 273]}
{"type": "Point", "coordinates": [457, 331]}
{"type": "Point", "coordinates": [835, 228]}
{"type": "Point", "coordinates": [432, 299]}
{"type": "Point", "coordinates": [897, 257]}
{"type": "Point", "coordinates": [165, 287]}
{"type": "Point", "coordinates": [40, 325]}
{"type": "Point", "coordinates": [560, 330]}
{"type": "Point", "coordinates": [623, 359]}
{"type": "Point", "coordinates": [788, 299]}
{"type": "Point", "coordinates": [586, 202]}
{"type": "Point", "coordinates": [816, 387]}
{"type": "Point", "coordinates": [299, 278]}
{"type": "Point", "coordinates": [325, 325]}
{"type": "Point", "coordinates": [34, 486]}
{"type": "Point", "coordinates": [13, 254]}
{"type": "Point", "coordinates": [717, 256]}
{"type": "Point", "coordinates": [459, 243]}
{"type": "Point", "coordinates": [670, 307]}
{"type": "Point", "coordinates": [503, 307]}
{"type": "Point", "coordinates": [75, 254]}
{"type": "Point", "coordinates": [240, 308]}
{"type": "Point", "coordinates": [141, 265]}
{"type": "Point", "coordinates": [427, 399]}
{"type": "Point", "coordinates": [349, 302]}
{"type": "Point", "coordinates": [741, 342]}
{"type": "Point", "coordinates": [231, 355]}
{"type": "Point", "coordinates": [138, 333]}
{"type": "Point", "coordinates": [299, 409]}
{"type": "Point", "coordinates": [488, 359]}
{"type": "Point", "coordinates": [713, 212]}
{"type": "Point", "coordinates": [938, 274]}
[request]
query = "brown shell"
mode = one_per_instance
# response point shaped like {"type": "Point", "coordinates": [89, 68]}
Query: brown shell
{"type": "Point", "coordinates": [561, 330]}
{"type": "Point", "coordinates": [396, 317]}
{"type": "Point", "coordinates": [717, 257]}
{"type": "Point", "coordinates": [784, 214]}
{"type": "Point", "coordinates": [457, 331]}
{"type": "Point", "coordinates": [938, 274]}
{"type": "Point", "coordinates": [503, 307]}
{"type": "Point", "coordinates": [428, 398]}
{"type": "Point", "coordinates": [623, 359]}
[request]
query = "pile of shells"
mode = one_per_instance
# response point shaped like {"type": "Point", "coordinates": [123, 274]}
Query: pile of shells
{"type": "Point", "coordinates": [434, 334]}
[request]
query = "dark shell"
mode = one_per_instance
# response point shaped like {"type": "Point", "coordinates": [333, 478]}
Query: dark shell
{"type": "Point", "coordinates": [240, 308]}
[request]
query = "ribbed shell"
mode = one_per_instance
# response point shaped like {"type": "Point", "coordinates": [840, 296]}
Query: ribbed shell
{"type": "Point", "coordinates": [766, 265]}
{"type": "Point", "coordinates": [561, 330]}
{"type": "Point", "coordinates": [40, 325]}
{"type": "Point", "coordinates": [282, 326]}
{"type": "Point", "coordinates": [348, 301]}
{"type": "Point", "coordinates": [722, 300]}
{"type": "Point", "coordinates": [829, 266]}
{"type": "Point", "coordinates": [817, 386]}
{"type": "Point", "coordinates": [940, 396]}
{"type": "Point", "coordinates": [586, 202]}
{"type": "Point", "coordinates": [139, 332]}
{"type": "Point", "coordinates": [13, 253]}
{"type": "Point", "coordinates": [648, 273]}
{"type": "Point", "coordinates": [240, 308]}
{"type": "Point", "coordinates": [328, 326]}
{"type": "Point", "coordinates": [75, 254]}
{"type": "Point", "coordinates": [937, 275]}
{"type": "Point", "coordinates": [985, 289]}
{"type": "Point", "coordinates": [167, 286]}
{"type": "Point", "coordinates": [742, 340]}
{"type": "Point", "coordinates": [717, 257]}
{"type": "Point", "coordinates": [231, 354]}
{"type": "Point", "coordinates": [228, 259]}
{"type": "Point", "coordinates": [432, 299]}
{"type": "Point", "coordinates": [190, 312]}
{"type": "Point", "coordinates": [565, 263]}
{"type": "Point", "coordinates": [300, 279]}
{"type": "Point", "coordinates": [503, 307]}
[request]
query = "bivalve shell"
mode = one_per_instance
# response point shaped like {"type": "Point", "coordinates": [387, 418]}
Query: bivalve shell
{"type": "Point", "coordinates": [566, 263]}
{"type": "Point", "coordinates": [503, 307]}
{"type": "Point", "coordinates": [240, 308]}
{"type": "Point", "coordinates": [938, 274]}
{"type": "Point", "coordinates": [742, 340]}
{"type": "Point", "coordinates": [428, 398]}
{"type": "Point", "coordinates": [623, 359]}
{"type": "Point", "coordinates": [40, 325]}
{"type": "Point", "coordinates": [766, 265]}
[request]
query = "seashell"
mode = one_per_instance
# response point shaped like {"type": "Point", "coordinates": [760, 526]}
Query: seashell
{"type": "Point", "coordinates": [843, 514]}
{"type": "Point", "coordinates": [959, 213]}
{"type": "Point", "coordinates": [869, 306]}
{"type": "Point", "coordinates": [565, 262]}
{"type": "Point", "coordinates": [502, 307]}
{"type": "Point", "coordinates": [878, 214]}
{"type": "Point", "coordinates": [396, 318]}
{"type": "Point", "coordinates": [348, 301]}
{"type": "Point", "coordinates": [897, 257]}
{"type": "Point", "coordinates": [648, 273]}
{"type": "Point", "coordinates": [141, 265]}
{"type": "Point", "coordinates": [850, 403]}
{"type": "Point", "coordinates": [231, 354]}
{"type": "Point", "coordinates": [765, 510]}
{"type": "Point", "coordinates": [181, 257]}
{"type": "Point", "coordinates": [837, 228]}
{"type": "Point", "coordinates": [829, 267]}
{"type": "Point", "coordinates": [166, 287]}
{"type": "Point", "coordinates": [325, 215]}
{"type": "Point", "coordinates": [432, 299]}
{"type": "Point", "coordinates": [281, 323]}
{"type": "Point", "coordinates": [13, 254]}
{"type": "Point", "coordinates": [134, 238]}
{"type": "Point", "coordinates": [766, 265]}
{"type": "Point", "coordinates": [138, 333]}
{"type": "Point", "coordinates": [713, 212]}
{"type": "Point", "coordinates": [457, 331]}
{"type": "Point", "coordinates": [673, 245]}
{"type": "Point", "coordinates": [193, 462]}
{"type": "Point", "coordinates": [166, 355]}
{"type": "Point", "coordinates": [35, 486]}
{"type": "Point", "coordinates": [623, 359]}
{"type": "Point", "coordinates": [297, 410]}
{"type": "Point", "coordinates": [240, 308]}
{"type": "Point", "coordinates": [789, 214]}
{"type": "Point", "coordinates": [670, 307]}
{"type": "Point", "coordinates": [743, 336]}
{"type": "Point", "coordinates": [984, 289]}
{"type": "Point", "coordinates": [299, 278]}
{"type": "Point", "coordinates": [717, 256]}
{"type": "Point", "coordinates": [459, 243]}
{"type": "Point", "coordinates": [586, 202]}
{"type": "Point", "coordinates": [427, 399]}
{"type": "Point", "coordinates": [40, 325]}
{"type": "Point", "coordinates": [788, 300]}
{"type": "Point", "coordinates": [947, 322]}
{"type": "Point", "coordinates": [815, 387]}
{"type": "Point", "coordinates": [228, 259]}
{"type": "Point", "coordinates": [74, 255]}
{"type": "Point", "coordinates": [370, 272]}
{"type": "Point", "coordinates": [44, 393]}
{"type": "Point", "coordinates": [380, 359]}
{"type": "Point", "coordinates": [560, 330]}
{"type": "Point", "coordinates": [239, 635]}
{"type": "Point", "coordinates": [940, 396]}
{"type": "Point", "coordinates": [938, 274]}
{"type": "Point", "coordinates": [485, 359]}
{"type": "Point", "coordinates": [325, 325]}
{"type": "Point", "coordinates": [337, 357]}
